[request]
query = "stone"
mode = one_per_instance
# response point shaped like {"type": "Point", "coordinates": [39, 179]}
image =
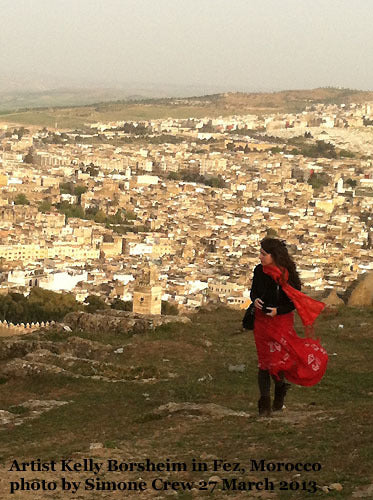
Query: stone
{"type": "Point", "coordinates": [237, 368]}
{"type": "Point", "coordinates": [16, 348]}
{"type": "Point", "coordinates": [363, 491]}
{"type": "Point", "coordinates": [118, 322]}
{"type": "Point", "coordinates": [208, 409]}
{"type": "Point", "coordinates": [84, 348]}
{"type": "Point", "coordinates": [35, 408]}
{"type": "Point", "coordinates": [37, 404]}
{"type": "Point", "coordinates": [96, 446]}
{"type": "Point", "coordinates": [336, 486]}
{"type": "Point", "coordinates": [37, 355]}
{"type": "Point", "coordinates": [24, 368]}
{"type": "Point", "coordinates": [6, 417]}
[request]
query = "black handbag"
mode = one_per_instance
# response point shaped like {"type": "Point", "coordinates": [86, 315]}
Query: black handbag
{"type": "Point", "coordinates": [248, 319]}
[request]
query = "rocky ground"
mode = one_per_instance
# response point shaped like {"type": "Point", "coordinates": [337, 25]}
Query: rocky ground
{"type": "Point", "coordinates": [180, 392]}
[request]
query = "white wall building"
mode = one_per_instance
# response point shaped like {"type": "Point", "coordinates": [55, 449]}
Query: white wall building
{"type": "Point", "coordinates": [62, 281]}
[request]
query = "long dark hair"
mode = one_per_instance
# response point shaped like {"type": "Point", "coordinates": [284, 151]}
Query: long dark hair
{"type": "Point", "coordinates": [280, 254]}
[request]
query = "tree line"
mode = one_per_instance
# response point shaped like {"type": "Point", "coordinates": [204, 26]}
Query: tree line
{"type": "Point", "coordinates": [46, 305]}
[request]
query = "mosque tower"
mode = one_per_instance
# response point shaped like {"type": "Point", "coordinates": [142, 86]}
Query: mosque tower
{"type": "Point", "coordinates": [147, 295]}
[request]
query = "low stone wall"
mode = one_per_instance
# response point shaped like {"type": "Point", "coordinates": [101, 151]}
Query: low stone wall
{"type": "Point", "coordinates": [8, 329]}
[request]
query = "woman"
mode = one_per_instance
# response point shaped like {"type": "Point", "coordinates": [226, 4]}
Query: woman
{"type": "Point", "coordinates": [281, 353]}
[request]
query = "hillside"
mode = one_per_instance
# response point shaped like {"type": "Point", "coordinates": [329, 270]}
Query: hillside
{"type": "Point", "coordinates": [200, 106]}
{"type": "Point", "coordinates": [184, 392]}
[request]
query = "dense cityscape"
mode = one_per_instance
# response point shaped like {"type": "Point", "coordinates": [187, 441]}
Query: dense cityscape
{"type": "Point", "coordinates": [86, 210]}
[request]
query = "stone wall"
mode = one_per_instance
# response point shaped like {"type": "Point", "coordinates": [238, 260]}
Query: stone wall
{"type": "Point", "coordinates": [115, 321]}
{"type": "Point", "coordinates": [8, 329]}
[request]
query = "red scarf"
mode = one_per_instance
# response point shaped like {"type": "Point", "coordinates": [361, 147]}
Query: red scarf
{"type": "Point", "coordinates": [307, 308]}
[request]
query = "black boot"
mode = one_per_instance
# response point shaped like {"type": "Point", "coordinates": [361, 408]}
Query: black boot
{"type": "Point", "coordinates": [264, 403]}
{"type": "Point", "coordinates": [280, 393]}
{"type": "Point", "coordinates": [264, 406]}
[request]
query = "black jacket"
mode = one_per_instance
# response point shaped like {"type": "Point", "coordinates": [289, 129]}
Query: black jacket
{"type": "Point", "coordinates": [264, 287]}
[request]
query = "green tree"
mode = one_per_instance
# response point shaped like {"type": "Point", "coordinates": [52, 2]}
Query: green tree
{"type": "Point", "coordinates": [40, 305]}
{"type": "Point", "coordinates": [94, 303]}
{"type": "Point", "coordinates": [78, 191]}
{"type": "Point", "coordinates": [12, 308]}
{"type": "Point", "coordinates": [45, 206]}
{"type": "Point", "coordinates": [21, 199]}
{"type": "Point", "coordinates": [351, 182]}
{"type": "Point", "coordinates": [318, 180]}
{"type": "Point", "coordinates": [29, 158]}
{"type": "Point", "coordinates": [71, 210]}
{"type": "Point", "coordinates": [217, 182]}
{"type": "Point", "coordinates": [46, 305]}
{"type": "Point", "coordinates": [122, 305]}
{"type": "Point", "coordinates": [92, 170]}
{"type": "Point", "coordinates": [20, 132]}
{"type": "Point", "coordinates": [116, 219]}
{"type": "Point", "coordinates": [174, 176]}
{"type": "Point", "coordinates": [67, 188]}
{"type": "Point", "coordinates": [129, 215]}
{"type": "Point", "coordinates": [169, 309]}
{"type": "Point", "coordinates": [344, 153]}
{"type": "Point", "coordinates": [100, 217]}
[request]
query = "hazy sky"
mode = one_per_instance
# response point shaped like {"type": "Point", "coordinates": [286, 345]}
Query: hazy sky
{"type": "Point", "coordinates": [230, 44]}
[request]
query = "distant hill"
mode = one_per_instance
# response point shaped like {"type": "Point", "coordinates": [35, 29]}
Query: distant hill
{"type": "Point", "coordinates": [16, 100]}
{"type": "Point", "coordinates": [48, 108]}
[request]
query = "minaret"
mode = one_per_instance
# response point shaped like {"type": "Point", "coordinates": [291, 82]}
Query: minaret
{"type": "Point", "coordinates": [147, 296]}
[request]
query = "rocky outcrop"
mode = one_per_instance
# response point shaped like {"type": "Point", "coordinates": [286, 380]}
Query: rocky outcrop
{"type": "Point", "coordinates": [72, 356]}
{"type": "Point", "coordinates": [23, 368]}
{"type": "Point", "coordinates": [17, 348]}
{"type": "Point", "coordinates": [209, 410]}
{"type": "Point", "coordinates": [118, 321]}
{"type": "Point", "coordinates": [76, 346]}
{"type": "Point", "coordinates": [32, 408]}
{"type": "Point", "coordinates": [362, 293]}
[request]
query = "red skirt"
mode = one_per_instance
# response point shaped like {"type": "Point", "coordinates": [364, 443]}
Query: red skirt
{"type": "Point", "coordinates": [302, 360]}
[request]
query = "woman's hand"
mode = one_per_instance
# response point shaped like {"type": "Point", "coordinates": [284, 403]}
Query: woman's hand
{"type": "Point", "coordinates": [273, 311]}
{"type": "Point", "coordinates": [258, 303]}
